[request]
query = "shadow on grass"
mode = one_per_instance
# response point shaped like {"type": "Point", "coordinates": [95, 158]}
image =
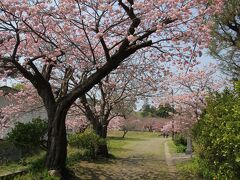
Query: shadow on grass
{"type": "Point", "coordinates": [120, 169]}
{"type": "Point", "coordinates": [76, 157]}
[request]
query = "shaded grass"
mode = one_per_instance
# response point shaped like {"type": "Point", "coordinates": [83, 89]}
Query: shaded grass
{"type": "Point", "coordinates": [33, 163]}
{"type": "Point", "coordinates": [43, 175]}
{"type": "Point", "coordinates": [8, 168]}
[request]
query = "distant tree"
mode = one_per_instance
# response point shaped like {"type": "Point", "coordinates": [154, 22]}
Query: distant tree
{"type": "Point", "coordinates": [147, 110]}
{"type": "Point", "coordinates": [162, 111]}
{"type": "Point", "coordinates": [225, 45]}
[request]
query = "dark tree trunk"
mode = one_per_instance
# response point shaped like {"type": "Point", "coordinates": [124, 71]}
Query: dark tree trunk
{"type": "Point", "coordinates": [124, 133]}
{"type": "Point", "coordinates": [57, 141]}
{"type": "Point", "coordinates": [102, 150]}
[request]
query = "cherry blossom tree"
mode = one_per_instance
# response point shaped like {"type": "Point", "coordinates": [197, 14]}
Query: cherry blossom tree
{"type": "Point", "coordinates": [187, 95]}
{"type": "Point", "coordinates": [115, 96]}
{"type": "Point", "coordinates": [83, 41]}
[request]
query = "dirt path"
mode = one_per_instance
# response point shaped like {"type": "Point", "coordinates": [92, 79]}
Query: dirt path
{"type": "Point", "coordinates": [145, 158]}
{"type": "Point", "coordinates": [169, 160]}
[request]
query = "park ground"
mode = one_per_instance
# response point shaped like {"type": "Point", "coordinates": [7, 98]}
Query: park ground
{"type": "Point", "coordinates": [140, 155]}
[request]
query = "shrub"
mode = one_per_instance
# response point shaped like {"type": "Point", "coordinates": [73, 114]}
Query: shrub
{"type": "Point", "coordinates": [218, 135]}
{"type": "Point", "coordinates": [28, 136]}
{"type": "Point", "coordinates": [181, 148]}
{"type": "Point", "coordinates": [180, 142]}
{"type": "Point", "coordinates": [179, 139]}
{"type": "Point", "coordinates": [88, 140]}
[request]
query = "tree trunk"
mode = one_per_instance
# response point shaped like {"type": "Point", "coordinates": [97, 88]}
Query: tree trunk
{"type": "Point", "coordinates": [102, 150]}
{"type": "Point", "coordinates": [189, 146]}
{"type": "Point", "coordinates": [57, 141]}
{"type": "Point", "coordinates": [124, 133]}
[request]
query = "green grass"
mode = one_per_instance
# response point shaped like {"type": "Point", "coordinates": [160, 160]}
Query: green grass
{"type": "Point", "coordinates": [34, 164]}
{"type": "Point", "coordinates": [32, 176]}
{"type": "Point", "coordinates": [189, 169]}
{"type": "Point", "coordinates": [118, 146]}
{"type": "Point", "coordinates": [186, 169]}
{"type": "Point", "coordinates": [30, 162]}
{"type": "Point", "coordinates": [8, 168]}
{"type": "Point", "coordinates": [172, 147]}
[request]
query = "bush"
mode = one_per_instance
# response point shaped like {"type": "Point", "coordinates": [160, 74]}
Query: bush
{"type": "Point", "coordinates": [88, 140]}
{"type": "Point", "coordinates": [218, 135]}
{"type": "Point", "coordinates": [181, 148]}
{"type": "Point", "coordinates": [28, 136]}
{"type": "Point", "coordinates": [180, 142]}
{"type": "Point", "coordinates": [179, 139]}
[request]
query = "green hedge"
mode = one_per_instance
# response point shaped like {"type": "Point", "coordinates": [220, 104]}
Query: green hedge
{"type": "Point", "coordinates": [218, 135]}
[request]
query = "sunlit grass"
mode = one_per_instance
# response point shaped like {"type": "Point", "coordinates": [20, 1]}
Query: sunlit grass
{"type": "Point", "coordinates": [172, 147]}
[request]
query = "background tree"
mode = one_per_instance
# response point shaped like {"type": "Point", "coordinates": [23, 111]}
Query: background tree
{"type": "Point", "coordinates": [162, 111]}
{"type": "Point", "coordinates": [187, 94]}
{"type": "Point", "coordinates": [114, 96]}
{"type": "Point", "coordinates": [225, 43]}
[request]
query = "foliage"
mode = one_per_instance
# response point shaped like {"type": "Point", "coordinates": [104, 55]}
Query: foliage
{"type": "Point", "coordinates": [181, 148]}
{"type": "Point", "coordinates": [180, 142]}
{"type": "Point", "coordinates": [19, 87]}
{"type": "Point", "coordinates": [161, 111]}
{"type": "Point", "coordinates": [217, 133]}
{"type": "Point", "coordinates": [225, 45]}
{"type": "Point", "coordinates": [28, 135]}
{"type": "Point", "coordinates": [88, 140]}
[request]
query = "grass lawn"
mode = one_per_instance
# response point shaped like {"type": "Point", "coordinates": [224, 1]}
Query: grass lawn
{"type": "Point", "coordinates": [172, 147]}
{"type": "Point", "coordinates": [120, 147]}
